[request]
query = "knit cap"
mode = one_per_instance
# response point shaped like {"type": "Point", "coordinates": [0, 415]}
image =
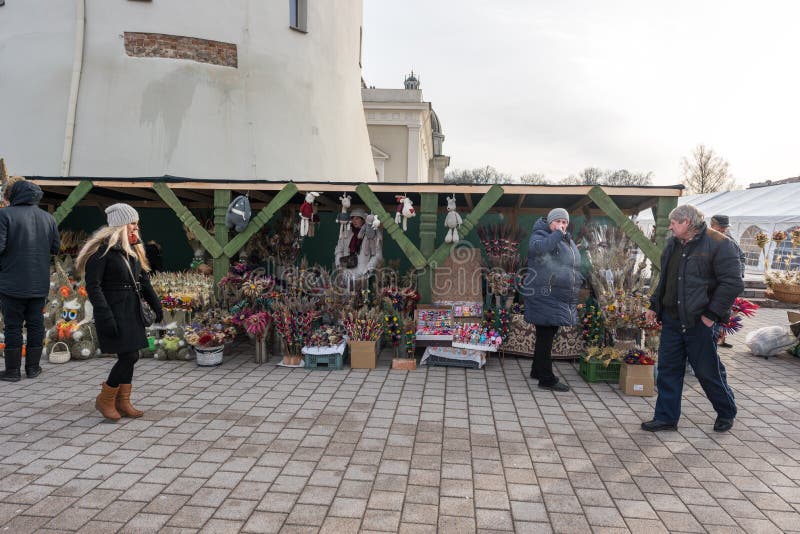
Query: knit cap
{"type": "Point", "coordinates": [557, 213]}
{"type": "Point", "coordinates": [121, 214]}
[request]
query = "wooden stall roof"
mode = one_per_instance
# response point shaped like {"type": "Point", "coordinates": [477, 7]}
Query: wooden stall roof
{"type": "Point", "coordinates": [199, 193]}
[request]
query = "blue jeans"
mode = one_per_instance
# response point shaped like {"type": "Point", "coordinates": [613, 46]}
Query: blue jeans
{"type": "Point", "coordinates": [699, 345]}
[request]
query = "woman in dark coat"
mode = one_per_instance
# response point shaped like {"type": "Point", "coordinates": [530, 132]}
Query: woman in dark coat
{"type": "Point", "coordinates": [551, 290]}
{"type": "Point", "coordinates": [113, 258]}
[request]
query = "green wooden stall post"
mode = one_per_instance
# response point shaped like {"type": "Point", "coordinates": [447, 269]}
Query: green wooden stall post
{"type": "Point", "coordinates": [607, 204]}
{"type": "Point", "coordinates": [187, 218]}
{"type": "Point", "coordinates": [222, 263]}
{"type": "Point", "coordinates": [661, 213]}
{"type": "Point", "coordinates": [395, 232]}
{"type": "Point", "coordinates": [429, 208]}
{"type": "Point", "coordinates": [470, 221]}
{"type": "Point", "coordinates": [77, 194]}
{"type": "Point", "coordinates": [263, 217]}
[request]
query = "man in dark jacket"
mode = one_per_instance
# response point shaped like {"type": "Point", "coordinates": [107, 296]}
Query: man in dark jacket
{"type": "Point", "coordinates": [700, 279]}
{"type": "Point", "coordinates": [28, 236]}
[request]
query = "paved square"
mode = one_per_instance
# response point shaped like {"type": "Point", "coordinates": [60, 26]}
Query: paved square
{"type": "Point", "coordinates": [259, 448]}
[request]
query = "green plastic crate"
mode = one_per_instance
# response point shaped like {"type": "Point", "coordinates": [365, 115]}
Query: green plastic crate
{"type": "Point", "coordinates": [595, 371]}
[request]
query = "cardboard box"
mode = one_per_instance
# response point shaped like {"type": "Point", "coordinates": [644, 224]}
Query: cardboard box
{"type": "Point", "coordinates": [363, 354]}
{"type": "Point", "coordinates": [638, 380]}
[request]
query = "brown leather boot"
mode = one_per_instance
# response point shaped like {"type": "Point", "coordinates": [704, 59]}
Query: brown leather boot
{"type": "Point", "coordinates": [105, 402]}
{"type": "Point", "coordinates": [123, 405]}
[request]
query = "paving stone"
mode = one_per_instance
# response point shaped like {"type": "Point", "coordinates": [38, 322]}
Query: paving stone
{"type": "Point", "coordinates": [256, 448]}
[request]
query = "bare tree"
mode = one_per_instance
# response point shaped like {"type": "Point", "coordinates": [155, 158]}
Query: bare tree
{"type": "Point", "coordinates": [480, 175]}
{"type": "Point", "coordinates": [596, 176]}
{"type": "Point", "coordinates": [534, 178]}
{"type": "Point", "coordinates": [706, 172]}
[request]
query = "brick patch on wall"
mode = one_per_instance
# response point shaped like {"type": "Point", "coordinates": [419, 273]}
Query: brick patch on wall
{"type": "Point", "coordinates": [178, 47]}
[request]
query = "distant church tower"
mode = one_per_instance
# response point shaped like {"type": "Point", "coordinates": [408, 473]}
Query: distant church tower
{"type": "Point", "coordinates": [405, 134]}
{"type": "Point", "coordinates": [411, 81]}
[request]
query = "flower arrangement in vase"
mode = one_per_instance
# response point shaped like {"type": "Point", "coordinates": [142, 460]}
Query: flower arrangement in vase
{"type": "Point", "coordinates": [293, 319]}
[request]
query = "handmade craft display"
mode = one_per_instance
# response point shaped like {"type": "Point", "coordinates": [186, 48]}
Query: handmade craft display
{"type": "Point", "coordinates": [467, 309]}
{"type": "Point", "coordinates": [434, 324]}
{"type": "Point", "coordinates": [69, 320]}
{"type": "Point", "coordinates": [452, 221]}
{"type": "Point", "coordinates": [344, 217]}
{"type": "Point", "coordinates": [476, 336]}
{"type": "Point", "coordinates": [405, 211]}
{"type": "Point", "coordinates": [369, 234]}
{"type": "Point", "coordinates": [307, 212]}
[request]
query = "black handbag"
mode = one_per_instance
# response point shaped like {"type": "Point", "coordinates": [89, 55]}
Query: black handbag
{"type": "Point", "coordinates": [349, 262]}
{"type": "Point", "coordinates": [147, 313]}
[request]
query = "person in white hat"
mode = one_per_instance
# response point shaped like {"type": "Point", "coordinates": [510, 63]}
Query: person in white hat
{"type": "Point", "coordinates": [116, 268]}
{"type": "Point", "coordinates": [354, 260]}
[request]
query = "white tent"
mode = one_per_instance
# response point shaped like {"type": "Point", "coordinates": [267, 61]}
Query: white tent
{"type": "Point", "coordinates": [762, 209]}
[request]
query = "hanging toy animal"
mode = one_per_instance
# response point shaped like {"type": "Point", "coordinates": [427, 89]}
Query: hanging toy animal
{"type": "Point", "coordinates": [307, 212]}
{"type": "Point", "coordinates": [405, 210]}
{"type": "Point", "coordinates": [452, 221]}
{"type": "Point", "coordinates": [369, 233]}
{"type": "Point", "coordinates": [344, 218]}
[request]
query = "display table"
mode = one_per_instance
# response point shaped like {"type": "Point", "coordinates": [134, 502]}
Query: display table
{"type": "Point", "coordinates": [521, 340]}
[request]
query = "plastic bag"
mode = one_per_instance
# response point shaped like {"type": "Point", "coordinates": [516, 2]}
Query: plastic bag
{"type": "Point", "coordinates": [770, 340]}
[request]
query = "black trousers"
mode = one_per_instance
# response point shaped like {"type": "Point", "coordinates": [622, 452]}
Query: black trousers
{"type": "Point", "coordinates": [122, 372]}
{"type": "Point", "coordinates": [23, 311]}
{"type": "Point", "coordinates": [542, 363]}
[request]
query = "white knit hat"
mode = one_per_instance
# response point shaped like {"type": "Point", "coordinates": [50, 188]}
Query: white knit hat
{"type": "Point", "coordinates": [121, 214]}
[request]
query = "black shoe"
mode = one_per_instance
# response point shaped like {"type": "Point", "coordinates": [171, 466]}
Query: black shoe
{"type": "Point", "coordinates": [725, 345]}
{"type": "Point", "coordinates": [722, 424]}
{"type": "Point", "coordinates": [657, 426]}
{"type": "Point", "coordinates": [10, 376]}
{"type": "Point", "coordinates": [13, 359]}
{"type": "Point", "coordinates": [558, 386]}
{"type": "Point", "coordinates": [33, 373]}
{"type": "Point", "coordinates": [32, 359]}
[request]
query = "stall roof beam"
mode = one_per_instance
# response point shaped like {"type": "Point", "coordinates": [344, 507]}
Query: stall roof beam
{"type": "Point", "coordinates": [263, 217]}
{"type": "Point", "coordinates": [187, 218]}
{"type": "Point", "coordinates": [606, 203]}
{"type": "Point", "coordinates": [413, 254]}
{"type": "Point", "coordinates": [72, 200]}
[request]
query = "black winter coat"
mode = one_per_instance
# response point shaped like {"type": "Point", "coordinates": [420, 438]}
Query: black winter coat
{"type": "Point", "coordinates": [28, 236]}
{"type": "Point", "coordinates": [117, 314]}
{"type": "Point", "coordinates": [709, 278]}
{"type": "Point", "coordinates": [550, 287]}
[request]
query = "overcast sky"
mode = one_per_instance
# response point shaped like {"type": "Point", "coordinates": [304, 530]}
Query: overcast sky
{"type": "Point", "coordinates": [558, 85]}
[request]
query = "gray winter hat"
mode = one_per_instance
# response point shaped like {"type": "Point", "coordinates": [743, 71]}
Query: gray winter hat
{"type": "Point", "coordinates": [121, 214]}
{"type": "Point", "coordinates": [358, 212]}
{"type": "Point", "coordinates": [557, 213]}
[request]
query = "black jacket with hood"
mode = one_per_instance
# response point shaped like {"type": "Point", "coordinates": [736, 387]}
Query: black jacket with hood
{"type": "Point", "coordinates": [28, 237]}
{"type": "Point", "coordinates": [709, 278]}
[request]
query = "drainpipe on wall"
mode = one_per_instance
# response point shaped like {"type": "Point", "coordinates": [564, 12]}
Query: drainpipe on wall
{"type": "Point", "coordinates": [77, 67]}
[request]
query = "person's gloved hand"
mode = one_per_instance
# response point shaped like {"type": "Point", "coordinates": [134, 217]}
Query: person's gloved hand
{"type": "Point", "coordinates": [159, 316]}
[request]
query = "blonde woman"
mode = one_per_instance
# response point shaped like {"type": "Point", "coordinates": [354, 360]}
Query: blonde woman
{"type": "Point", "coordinates": [114, 263]}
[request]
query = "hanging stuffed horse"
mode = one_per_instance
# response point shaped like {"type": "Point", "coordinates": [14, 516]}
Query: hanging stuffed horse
{"type": "Point", "coordinates": [405, 210]}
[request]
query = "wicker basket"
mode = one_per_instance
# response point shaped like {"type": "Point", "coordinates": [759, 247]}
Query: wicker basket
{"type": "Point", "coordinates": [59, 353]}
{"type": "Point", "coordinates": [209, 356]}
{"type": "Point", "coordinates": [786, 293]}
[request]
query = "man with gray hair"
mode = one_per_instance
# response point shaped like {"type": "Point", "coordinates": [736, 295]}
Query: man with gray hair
{"type": "Point", "coordinates": [700, 279]}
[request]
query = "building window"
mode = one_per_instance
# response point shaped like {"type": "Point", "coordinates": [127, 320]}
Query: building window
{"type": "Point", "coordinates": [298, 15]}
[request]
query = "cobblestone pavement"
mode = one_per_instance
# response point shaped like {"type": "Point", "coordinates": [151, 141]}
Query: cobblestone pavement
{"type": "Point", "coordinates": [261, 448]}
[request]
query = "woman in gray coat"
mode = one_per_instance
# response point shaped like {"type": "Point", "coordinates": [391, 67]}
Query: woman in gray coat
{"type": "Point", "coordinates": [550, 289]}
